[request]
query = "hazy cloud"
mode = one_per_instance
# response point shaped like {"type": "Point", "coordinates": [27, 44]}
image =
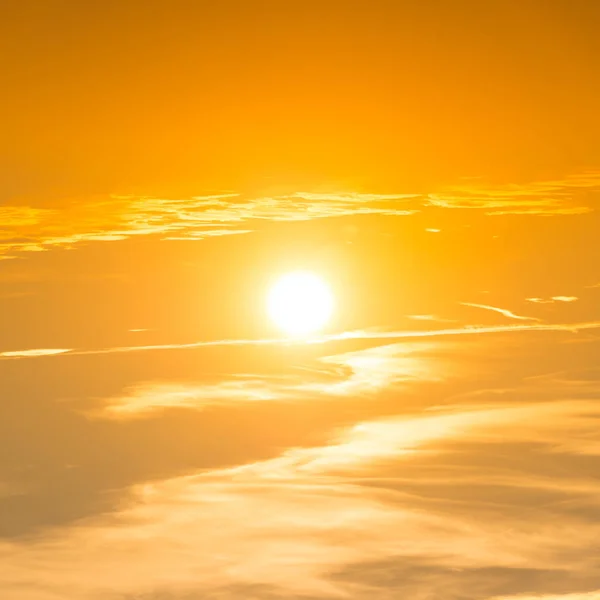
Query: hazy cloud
{"type": "Point", "coordinates": [578, 596]}
{"type": "Point", "coordinates": [374, 493]}
{"type": "Point", "coordinates": [553, 299]}
{"type": "Point", "coordinates": [347, 335]}
{"type": "Point", "coordinates": [543, 198]}
{"type": "Point", "coordinates": [34, 353]}
{"type": "Point", "coordinates": [350, 374]}
{"type": "Point", "coordinates": [119, 217]}
{"type": "Point", "coordinates": [429, 318]}
{"type": "Point", "coordinates": [502, 311]}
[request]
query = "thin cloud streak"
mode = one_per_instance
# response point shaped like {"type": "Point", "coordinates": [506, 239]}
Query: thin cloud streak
{"type": "Point", "coordinates": [541, 198]}
{"type": "Point", "coordinates": [430, 318]}
{"type": "Point", "coordinates": [120, 217]}
{"type": "Point", "coordinates": [35, 352]}
{"type": "Point", "coordinates": [351, 374]}
{"type": "Point", "coordinates": [577, 596]}
{"type": "Point", "coordinates": [336, 337]}
{"type": "Point", "coordinates": [553, 299]}
{"type": "Point", "coordinates": [502, 311]}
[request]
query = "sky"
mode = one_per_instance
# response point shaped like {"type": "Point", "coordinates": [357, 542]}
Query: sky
{"type": "Point", "coordinates": [434, 165]}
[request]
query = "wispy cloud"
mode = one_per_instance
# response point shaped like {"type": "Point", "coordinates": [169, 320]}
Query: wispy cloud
{"type": "Point", "coordinates": [22, 216]}
{"type": "Point", "coordinates": [34, 352]}
{"type": "Point", "coordinates": [595, 595]}
{"type": "Point", "coordinates": [502, 311]}
{"type": "Point", "coordinates": [376, 492]}
{"type": "Point", "coordinates": [119, 217]}
{"type": "Point", "coordinates": [429, 318]}
{"type": "Point", "coordinates": [553, 299]}
{"type": "Point", "coordinates": [543, 198]}
{"type": "Point", "coordinates": [347, 335]}
{"type": "Point", "coordinates": [148, 397]}
{"type": "Point", "coordinates": [350, 374]}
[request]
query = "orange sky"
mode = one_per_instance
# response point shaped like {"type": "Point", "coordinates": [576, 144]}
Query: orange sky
{"type": "Point", "coordinates": [436, 164]}
{"type": "Point", "coordinates": [155, 97]}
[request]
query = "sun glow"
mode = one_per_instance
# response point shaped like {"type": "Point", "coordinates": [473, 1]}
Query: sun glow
{"type": "Point", "coordinates": [300, 303]}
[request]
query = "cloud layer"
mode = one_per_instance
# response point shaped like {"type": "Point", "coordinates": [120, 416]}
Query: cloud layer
{"type": "Point", "coordinates": [387, 490]}
{"type": "Point", "coordinates": [118, 217]}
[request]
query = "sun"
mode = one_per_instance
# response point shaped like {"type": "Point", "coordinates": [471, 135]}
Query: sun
{"type": "Point", "coordinates": [300, 303]}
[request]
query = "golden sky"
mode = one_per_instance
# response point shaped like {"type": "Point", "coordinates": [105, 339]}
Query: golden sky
{"type": "Point", "coordinates": [300, 300]}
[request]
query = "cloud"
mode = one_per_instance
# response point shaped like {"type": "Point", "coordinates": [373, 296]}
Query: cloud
{"type": "Point", "coordinates": [119, 217]}
{"type": "Point", "coordinates": [335, 337]}
{"type": "Point", "coordinates": [429, 318]}
{"type": "Point", "coordinates": [354, 197]}
{"type": "Point", "coordinates": [542, 198]}
{"type": "Point", "coordinates": [22, 216]}
{"type": "Point", "coordinates": [381, 490]}
{"type": "Point", "coordinates": [34, 353]}
{"type": "Point", "coordinates": [502, 311]}
{"type": "Point", "coordinates": [540, 300]}
{"type": "Point", "coordinates": [350, 374]}
{"type": "Point", "coordinates": [595, 595]}
{"type": "Point", "coordinates": [553, 299]}
{"type": "Point", "coordinates": [147, 397]}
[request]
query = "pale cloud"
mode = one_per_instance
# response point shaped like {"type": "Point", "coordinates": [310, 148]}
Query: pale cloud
{"type": "Point", "coordinates": [432, 318]}
{"type": "Point", "coordinates": [119, 217]}
{"type": "Point", "coordinates": [34, 352]}
{"type": "Point", "coordinates": [200, 235]}
{"type": "Point", "coordinates": [344, 375]}
{"type": "Point", "coordinates": [502, 311]}
{"type": "Point", "coordinates": [543, 198]}
{"type": "Point", "coordinates": [354, 197]}
{"type": "Point", "coordinates": [346, 335]}
{"type": "Point", "coordinates": [373, 441]}
{"type": "Point", "coordinates": [292, 522]}
{"type": "Point", "coordinates": [552, 299]}
{"type": "Point", "coordinates": [378, 368]}
{"type": "Point", "coordinates": [145, 398]}
{"type": "Point", "coordinates": [548, 211]}
{"type": "Point", "coordinates": [22, 216]}
{"type": "Point", "coordinates": [578, 596]}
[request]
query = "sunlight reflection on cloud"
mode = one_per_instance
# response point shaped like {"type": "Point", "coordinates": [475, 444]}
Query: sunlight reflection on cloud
{"type": "Point", "coordinates": [289, 522]}
{"type": "Point", "coordinates": [352, 373]}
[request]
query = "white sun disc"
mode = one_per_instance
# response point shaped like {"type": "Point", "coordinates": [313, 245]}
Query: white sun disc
{"type": "Point", "coordinates": [300, 303]}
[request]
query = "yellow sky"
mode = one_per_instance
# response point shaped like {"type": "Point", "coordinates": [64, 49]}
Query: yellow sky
{"type": "Point", "coordinates": [166, 434]}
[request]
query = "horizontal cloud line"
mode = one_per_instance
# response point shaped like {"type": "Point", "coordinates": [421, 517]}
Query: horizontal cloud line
{"type": "Point", "coordinates": [120, 217]}
{"type": "Point", "coordinates": [502, 311]}
{"type": "Point", "coordinates": [335, 337]}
